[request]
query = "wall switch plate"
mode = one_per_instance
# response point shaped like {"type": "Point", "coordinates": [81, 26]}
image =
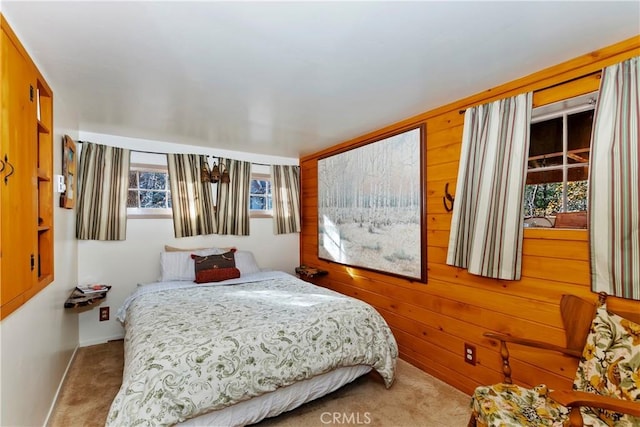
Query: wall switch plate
{"type": "Point", "coordinates": [104, 313]}
{"type": "Point", "coordinates": [59, 182]}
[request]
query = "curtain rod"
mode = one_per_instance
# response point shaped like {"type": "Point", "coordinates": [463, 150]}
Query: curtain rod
{"type": "Point", "coordinates": [158, 152]}
{"type": "Point", "coordinates": [598, 73]}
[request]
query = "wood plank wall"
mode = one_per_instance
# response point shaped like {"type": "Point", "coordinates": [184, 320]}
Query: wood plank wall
{"type": "Point", "coordinates": [432, 322]}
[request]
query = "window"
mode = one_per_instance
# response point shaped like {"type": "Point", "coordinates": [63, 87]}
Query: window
{"type": "Point", "coordinates": [149, 194]}
{"type": "Point", "coordinates": [260, 203]}
{"type": "Point", "coordinates": [558, 164]}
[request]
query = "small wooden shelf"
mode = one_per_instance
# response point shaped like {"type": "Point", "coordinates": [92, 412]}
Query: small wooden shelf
{"type": "Point", "coordinates": [306, 272]}
{"type": "Point", "coordinates": [43, 175]}
{"type": "Point", "coordinates": [79, 299]}
{"type": "Point", "coordinates": [42, 128]}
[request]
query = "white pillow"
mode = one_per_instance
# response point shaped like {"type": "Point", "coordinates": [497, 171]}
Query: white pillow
{"type": "Point", "coordinates": [246, 263]}
{"type": "Point", "coordinates": [180, 265]}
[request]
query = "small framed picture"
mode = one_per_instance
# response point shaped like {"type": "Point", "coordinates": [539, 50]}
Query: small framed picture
{"type": "Point", "coordinates": [69, 167]}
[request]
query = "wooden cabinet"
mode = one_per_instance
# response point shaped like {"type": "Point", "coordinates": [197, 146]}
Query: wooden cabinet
{"type": "Point", "coordinates": [26, 167]}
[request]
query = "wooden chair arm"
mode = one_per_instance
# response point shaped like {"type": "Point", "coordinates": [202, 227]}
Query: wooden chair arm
{"type": "Point", "coordinates": [504, 351]}
{"type": "Point", "coordinates": [570, 398]}
{"type": "Point", "coordinates": [532, 343]}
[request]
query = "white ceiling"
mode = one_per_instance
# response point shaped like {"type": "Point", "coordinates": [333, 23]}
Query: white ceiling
{"type": "Point", "coordinates": [290, 78]}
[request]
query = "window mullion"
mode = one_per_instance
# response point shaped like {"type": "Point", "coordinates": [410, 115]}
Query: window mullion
{"type": "Point", "coordinates": [565, 147]}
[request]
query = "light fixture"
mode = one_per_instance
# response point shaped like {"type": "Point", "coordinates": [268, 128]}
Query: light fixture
{"type": "Point", "coordinates": [225, 178]}
{"type": "Point", "coordinates": [218, 173]}
{"type": "Point", "coordinates": [205, 174]}
{"type": "Point", "coordinates": [215, 173]}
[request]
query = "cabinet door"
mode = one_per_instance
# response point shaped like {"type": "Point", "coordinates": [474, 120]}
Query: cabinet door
{"type": "Point", "coordinates": [18, 179]}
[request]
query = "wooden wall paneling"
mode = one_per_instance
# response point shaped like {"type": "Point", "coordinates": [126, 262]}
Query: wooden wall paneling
{"type": "Point", "coordinates": [433, 321]}
{"type": "Point", "coordinates": [443, 154]}
{"type": "Point", "coordinates": [456, 380]}
{"type": "Point", "coordinates": [443, 137]}
{"type": "Point", "coordinates": [566, 249]}
{"type": "Point", "coordinates": [420, 306]}
{"type": "Point", "coordinates": [445, 121]}
{"type": "Point", "coordinates": [541, 267]}
{"type": "Point", "coordinates": [570, 271]}
{"type": "Point", "coordinates": [458, 332]}
{"type": "Point", "coordinates": [535, 289]}
{"type": "Point", "coordinates": [443, 172]}
{"type": "Point", "coordinates": [438, 355]}
{"type": "Point", "coordinates": [577, 87]}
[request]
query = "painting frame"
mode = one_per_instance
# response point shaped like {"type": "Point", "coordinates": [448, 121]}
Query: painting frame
{"type": "Point", "coordinates": [69, 168]}
{"type": "Point", "coordinates": [372, 205]}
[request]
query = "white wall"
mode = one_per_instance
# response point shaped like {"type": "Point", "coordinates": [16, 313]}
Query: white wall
{"type": "Point", "coordinates": [123, 264]}
{"type": "Point", "coordinates": [38, 339]}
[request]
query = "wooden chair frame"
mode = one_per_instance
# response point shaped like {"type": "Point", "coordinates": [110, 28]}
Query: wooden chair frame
{"type": "Point", "coordinates": [577, 315]}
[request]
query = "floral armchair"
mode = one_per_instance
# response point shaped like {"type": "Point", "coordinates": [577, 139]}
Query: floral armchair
{"type": "Point", "coordinates": [606, 389]}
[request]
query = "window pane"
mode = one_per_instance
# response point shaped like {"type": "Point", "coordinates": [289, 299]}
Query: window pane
{"type": "Point", "coordinates": [257, 203]}
{"type": "Point", "coordinates": [153, 180]}
{"type": "Point", "coordinates": [577, 196]}
{"type": "Point", "coordinates": [542, 199]}
{"type": "Point", "coordinates": [545, 147]}
{"type": "Point", "coordinates": [153, 199]}
{"type": "Point", "coordinates": [132, 199]}
{"type": "Point", "coordinates": [133, 179]}
{"type": "Point", "coordinates": [258, 187]}
{"type": "Point", "coordinates": [579, 137]}
{"type": "Point", "coordinates": [544, 177]}
{"type": "Point", "coordinates": [578, 173]}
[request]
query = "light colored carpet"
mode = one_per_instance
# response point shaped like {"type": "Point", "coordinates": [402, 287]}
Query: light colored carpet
{"type": "Point", "coordinates": [415, 399]}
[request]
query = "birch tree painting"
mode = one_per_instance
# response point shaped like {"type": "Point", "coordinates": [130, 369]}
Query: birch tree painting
{"type": "Point", "coordinates": [369, 206]}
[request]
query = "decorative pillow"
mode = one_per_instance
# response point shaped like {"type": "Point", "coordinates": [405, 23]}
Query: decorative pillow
{"type": "Point", "coordinates": [610, 364]}
{"type": "Point", "coordinates": [168, 248]}
{"type": "Point", "coordinates": [179, 265]}
{"type": "Point", "coordinates": [246, 263]}
{"type": "Point", "coordinates": [215, 268]}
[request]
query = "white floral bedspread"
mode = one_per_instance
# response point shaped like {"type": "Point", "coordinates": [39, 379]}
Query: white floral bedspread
{"type": "Point", "coordinates": [191, 349]}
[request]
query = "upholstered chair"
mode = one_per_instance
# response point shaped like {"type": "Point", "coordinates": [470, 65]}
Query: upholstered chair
{"type": "Point", "coordinates": [606, 389]}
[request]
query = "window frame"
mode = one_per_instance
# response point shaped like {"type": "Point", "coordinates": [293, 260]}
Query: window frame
{"type": "Point", "coordinates": [149, 213]}
{"type": "Point", "coordinates": [562, 109]}
{"type": "Point", "coordinates": [261, 213]}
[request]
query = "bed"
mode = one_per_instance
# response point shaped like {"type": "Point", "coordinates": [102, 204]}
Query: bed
{"type": "Point", "coordinates": [237, 351]}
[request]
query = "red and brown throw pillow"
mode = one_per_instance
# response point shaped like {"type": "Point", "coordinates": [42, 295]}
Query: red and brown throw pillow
{"type": "Point", "coordinates": [215, 268]}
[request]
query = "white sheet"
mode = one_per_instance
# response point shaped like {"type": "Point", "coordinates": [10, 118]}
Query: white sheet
{"type": "Point", "coordinates": [282, 400]}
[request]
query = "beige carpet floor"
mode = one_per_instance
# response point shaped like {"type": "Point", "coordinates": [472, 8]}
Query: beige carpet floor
{"type": "Point", "coordinates": [415, 399]}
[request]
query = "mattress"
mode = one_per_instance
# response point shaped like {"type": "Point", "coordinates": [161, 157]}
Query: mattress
{"type": "Point", "coordinates": [195, 349]}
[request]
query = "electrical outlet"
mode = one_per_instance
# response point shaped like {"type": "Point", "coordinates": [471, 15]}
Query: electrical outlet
{"type": "Point", "coordinates": [470, 354]}
{"type": "Point", "coordinates": [104, 313]}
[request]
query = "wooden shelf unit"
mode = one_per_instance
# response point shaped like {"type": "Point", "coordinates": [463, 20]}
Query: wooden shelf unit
{"type": "Point", "coordinates": [26, 184]}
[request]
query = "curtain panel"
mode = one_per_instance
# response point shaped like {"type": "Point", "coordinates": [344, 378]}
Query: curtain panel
{"type": "Point", "coordinates": [286, 199]}
{"type": "Point", "coordinates": [486, 226]}
{"type": "Point", "coordinates": [191, 199]}
{"type": "Point", "coordinates": [614, 183]}
{"type": "Point", "coordinates": [233, 199]}
{"type": "Point", "coordinates": [102, 193]}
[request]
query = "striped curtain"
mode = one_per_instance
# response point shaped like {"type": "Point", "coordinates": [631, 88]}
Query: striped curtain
{"type": "Point", "coordinates": [233, 199]}
{"type": "Point", "coordinates": [614, 183]}
{"type": "Point", "coordinates": [285, 190]}
{"type": "Point", "coordinates": [191, 199]}
{"type": "Point", "coordinates": [486, 227]}
{"type": "Point", "coordinates": [102, 192]}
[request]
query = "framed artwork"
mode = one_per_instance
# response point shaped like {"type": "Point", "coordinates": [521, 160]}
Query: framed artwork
{"type": "Point", "coordinates": [69, 167]}
{"type": "Point", "coordinates": [371, 206]}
